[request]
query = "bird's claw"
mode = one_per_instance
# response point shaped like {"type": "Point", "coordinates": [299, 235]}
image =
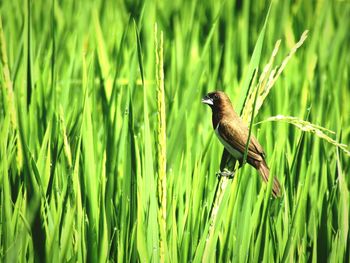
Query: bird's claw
{"type": "Point", "coordinates": [225, 173]}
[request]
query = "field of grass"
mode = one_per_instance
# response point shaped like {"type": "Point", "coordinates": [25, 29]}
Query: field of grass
{"type": "Point", "coordinates": [108, 154]}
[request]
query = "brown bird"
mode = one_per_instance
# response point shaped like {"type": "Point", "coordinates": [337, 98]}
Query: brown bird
{"type": "Point", "coordinates": [233, 134]}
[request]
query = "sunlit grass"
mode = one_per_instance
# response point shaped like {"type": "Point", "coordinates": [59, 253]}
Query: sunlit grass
{"type": "Point", "coordinates": [104, 158]}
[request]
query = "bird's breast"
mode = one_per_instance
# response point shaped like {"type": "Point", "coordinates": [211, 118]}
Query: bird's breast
{"type": "Point", "coordinates": [235, 153]}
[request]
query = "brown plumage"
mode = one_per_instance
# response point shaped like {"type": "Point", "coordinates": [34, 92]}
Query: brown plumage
{"type": "Point", "coordinates": [233, 134]}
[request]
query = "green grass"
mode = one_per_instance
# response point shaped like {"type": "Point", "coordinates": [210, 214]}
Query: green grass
{"type": "Point", "coordinates": [101, 162]}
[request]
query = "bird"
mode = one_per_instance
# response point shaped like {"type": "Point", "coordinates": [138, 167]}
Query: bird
{"type": "Point", "coordinates": [233, 133]}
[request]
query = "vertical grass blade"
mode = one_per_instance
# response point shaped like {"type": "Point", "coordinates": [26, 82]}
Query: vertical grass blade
{"type": "Point", "coordinates": [9, 101]}
{"type": "Point", "coordinates": [152, 231]}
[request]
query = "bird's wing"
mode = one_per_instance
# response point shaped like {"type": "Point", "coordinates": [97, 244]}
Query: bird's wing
{"type": "Point", "coordinates": [237, 136]}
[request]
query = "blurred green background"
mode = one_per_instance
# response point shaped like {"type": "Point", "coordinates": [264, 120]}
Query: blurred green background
{"type": "Point", "coordinates": [80, 153]}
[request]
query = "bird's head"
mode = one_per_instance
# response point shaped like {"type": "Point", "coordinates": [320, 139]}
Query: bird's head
{"type": "Point", "coordinates": [216, 100]}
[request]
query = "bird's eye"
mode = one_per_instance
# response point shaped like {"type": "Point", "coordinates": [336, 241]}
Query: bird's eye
{"type": "Point", "coordinates": [216, 96]}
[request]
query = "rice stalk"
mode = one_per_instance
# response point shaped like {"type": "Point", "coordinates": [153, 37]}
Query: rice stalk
{"type": "Point", "coordinates": [269, 77]}
{"type": "Point", "coordinates": [161, 144]}
{"type": "Point", "coordinates": [306, 126]}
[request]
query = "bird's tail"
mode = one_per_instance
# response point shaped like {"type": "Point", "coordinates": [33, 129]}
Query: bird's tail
{"type": "Point", "coordinates": [264, 172]}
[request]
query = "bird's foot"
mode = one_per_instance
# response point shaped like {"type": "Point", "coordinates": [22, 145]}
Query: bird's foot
{"type": "Point", "coordinates": [225, 173]}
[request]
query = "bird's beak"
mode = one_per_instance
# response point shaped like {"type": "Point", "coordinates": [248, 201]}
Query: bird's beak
{"type": "Point", "coordinates": [207, 100]}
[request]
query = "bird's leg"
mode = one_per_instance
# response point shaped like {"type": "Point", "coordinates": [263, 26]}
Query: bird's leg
{"type": "Point", "coordinates": [225, 159]}
{"type": "Point", "coordinates": [230, 171]}
{"type": "Point", "coordinates": [231, 164]}
{"type": "Point", "coordinates": [225, 173]}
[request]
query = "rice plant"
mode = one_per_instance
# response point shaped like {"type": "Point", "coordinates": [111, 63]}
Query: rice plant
{"type": "Point", "coordinates": [108, 155]}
